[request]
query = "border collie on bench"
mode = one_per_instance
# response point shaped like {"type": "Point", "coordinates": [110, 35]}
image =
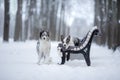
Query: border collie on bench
{"type": "Point", "coordinates": [71, 45]}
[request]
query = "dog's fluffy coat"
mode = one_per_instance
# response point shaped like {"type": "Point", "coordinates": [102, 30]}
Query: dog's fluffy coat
{"type": "Point", "coordinates": [43, 48]}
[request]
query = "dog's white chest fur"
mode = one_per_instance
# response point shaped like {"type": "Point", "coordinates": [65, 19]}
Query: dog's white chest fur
{"type": "Point", "coordinates": [44, 46]}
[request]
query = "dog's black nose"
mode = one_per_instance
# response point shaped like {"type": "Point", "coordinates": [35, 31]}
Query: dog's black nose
{"type": "Point", "coordinates": [64, 45]}
{"type": "Point", "coordinates": [43, 38]}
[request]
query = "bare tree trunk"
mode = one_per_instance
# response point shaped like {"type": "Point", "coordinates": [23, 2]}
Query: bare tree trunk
{"type": "Point", "coordinates": [26, 23]}
{"type": "Point", "coordinates": [18, 24]}
{"type": "Point", "coordinates": [6, 21]}
{"type": "Point", "coordinates": [45, 14]}
{"type": "Point", "coordinates": [59, 21]}
{"type": "Point", "coordinates": [26, 29]}
{"type": "Point", "coordinates": [114, 25]}
{"type": "Point", "coordinates": [118, 24]}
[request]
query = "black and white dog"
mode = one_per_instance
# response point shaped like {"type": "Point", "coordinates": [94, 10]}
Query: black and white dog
{"type": "Point", "coordinates": [70, 41]}
{"type": "Point", "coordinates": [66, 43]}
{"type": "Point", "coordinates": [43, 47]}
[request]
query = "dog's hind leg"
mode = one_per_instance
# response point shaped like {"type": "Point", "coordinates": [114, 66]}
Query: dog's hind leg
{"type": "Point", "coordinates": [47, 59]}
{"type": "Point", "coordinates": [39, 58]}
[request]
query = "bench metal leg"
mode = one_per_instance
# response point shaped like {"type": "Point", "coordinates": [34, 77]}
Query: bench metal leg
{"type": "Point", "coordinates": [87, 59]}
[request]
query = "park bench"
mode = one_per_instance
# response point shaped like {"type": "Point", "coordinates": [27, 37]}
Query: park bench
{"type": "Point", "coordinates": [84, 48]}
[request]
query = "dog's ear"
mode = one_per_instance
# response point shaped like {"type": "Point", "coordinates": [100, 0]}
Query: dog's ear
{"type": "Point", "coordinates": [41, 33]}
{"type": "Point", "coordinates": [68, 39]}
{"type": "Point", "coordinates": [62, 37]}
{"type": "Point", "coordinates": [48, 33]}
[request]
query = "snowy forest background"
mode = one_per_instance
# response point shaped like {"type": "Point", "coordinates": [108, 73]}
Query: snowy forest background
{"type": "Point", "coordinates": [22, 20]}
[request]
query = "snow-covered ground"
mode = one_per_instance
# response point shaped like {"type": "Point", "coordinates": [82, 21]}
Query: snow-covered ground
{"type": "Point", "coordinates": [18, 62]}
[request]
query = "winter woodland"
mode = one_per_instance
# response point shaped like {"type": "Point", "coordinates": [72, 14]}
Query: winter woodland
{"type": "Point", "coordinates": [22, 20]}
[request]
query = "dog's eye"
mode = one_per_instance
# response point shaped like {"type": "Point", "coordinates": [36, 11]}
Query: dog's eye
{"type": "Point", "coordinates": [42, 34]}
{"type": "Point", "coordinates": [67, 41]}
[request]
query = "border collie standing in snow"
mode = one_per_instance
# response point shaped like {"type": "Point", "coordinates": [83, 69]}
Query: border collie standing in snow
{"type": "Point", "coordinates": [43, 47]}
